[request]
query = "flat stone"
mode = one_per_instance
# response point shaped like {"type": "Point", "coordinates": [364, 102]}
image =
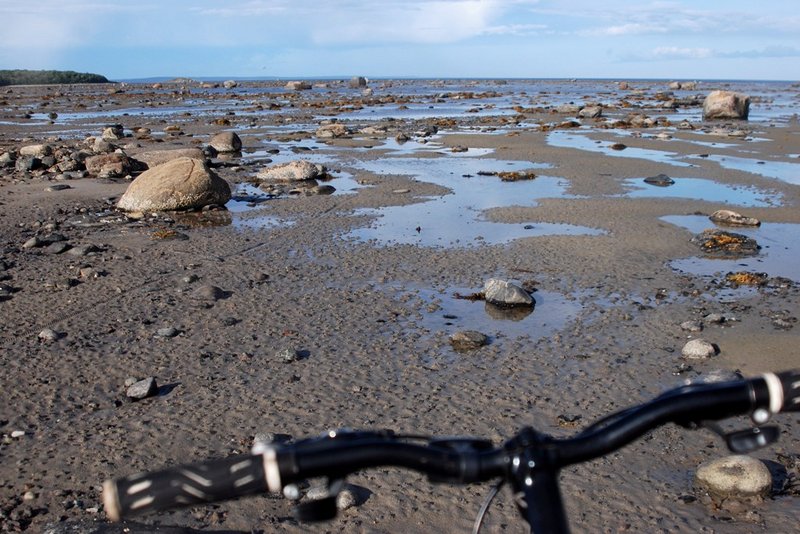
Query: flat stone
{"type": "Point", "coordinates": [143, 389]}
{"type": "Point", "coordinates": [732, 218]}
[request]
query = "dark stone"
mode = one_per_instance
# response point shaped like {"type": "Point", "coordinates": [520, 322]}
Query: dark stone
{"type": "Point", "coordinates": [660, 180]}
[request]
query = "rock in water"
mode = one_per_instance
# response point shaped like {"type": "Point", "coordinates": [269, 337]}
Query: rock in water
{"type": "Point", "coordinates": [660, 180]}
{"type": "Point", "coordinates": [180, 184]}
{"type": "Point", "coordinates": [294, 171]}
{"type": "Point", "coordinates": [734, 477]}
{"type": "Point", "coordinates": [226, 142]}
{"type": "Point", "coordinates": [503, 293]}
{"type": "Point", "coordinates": [726, 105]}
{"type": "Point", "coordinates": [732, 218]}
{"type": "Point", "coordinates": [722, 244]}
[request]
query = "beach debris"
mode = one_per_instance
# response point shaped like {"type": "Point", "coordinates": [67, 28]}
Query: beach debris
{"type": "Point", "coordinates": [179, 184]}
{"type": "Point", "coordinates": [226, 142]}
{"type": "Point", "coordinates": [735, 476]}
{"type": "Point", "coordinates": [732, 218]}
{"type": "Point", "coordinates": [141, 389]}
{"type": "Point", "coordinates": [744, 278]}
{"type": "Point", "coordinates": [698, 349]}
{"type": "Point", "coordinates": [719, 243]}
{"type": "Point", "coordinates": [659, 180]}
{"type": "Point", "coordinates": [510, 176]}
{"type": "Point", "coordinates": [504, 293]}
{"type": "Point", "coordinates": [466, 340]}
{"type": "Point", "coordinates": [293, 171]}
{"type": "Point", "coordinates": [726, 105]}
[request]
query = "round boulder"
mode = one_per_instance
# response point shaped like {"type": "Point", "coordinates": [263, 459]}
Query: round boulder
{"type": "Point", "coordinates": [504, 293]}
{"type": "Point", "coordinates": [734, 477]}
{"type": "Point", "coordinates": [294, 171]}
{"type": "Point", "coordinates": [180, 184]}
{"type": "Point", "coordinates": [698, 349]}
{"type": "Point", "coordinates": [225, 142]}
{"type": "Point", "coordinates": [726, 105]}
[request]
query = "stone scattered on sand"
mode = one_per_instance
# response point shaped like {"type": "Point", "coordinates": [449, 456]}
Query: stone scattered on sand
{"type": "Point", "coordinates": [293, 171]}
{"type": "Point", "coordinates": [726, 105]}
{"type": "Point", "coordinates": [618, 146]}
{"type": "Point", "coordinates": [167, 332]}
{"type": "Point", "coordinates": [719, 243]}
{"type": "Point", "coordinates": [209, 293]}
{"type": "Point", "coordinates": [357, 82]}
{"type": "Point", "coordinates": [714, 318]}
{"type": "Point", "coordinates": [180, 184]}
{"type": "Point", "coordinates": [736, 476]}
{"type": "Point", "coordinates": [698, 349]}
{"type": "Point", "coordinates": [38, 151]}
{"type": "Point", "coordinates": [298, 86]}
{"type": "Point", "coordinates": [142, 389]}
{"type": "Point", "coordinates": [660, 180]}
{"type": "Point", "coordinates": [229, 84]}
{"type": "Point", "coordinates": [591, 112]}
{"type": "Point", "coordinates": [692, 326]}
{"type": "Point", "coordinates": [288, 355]}
{"type": "Point", "coordinates": [114, 132]}
{"type": "Point", "coordinates": [153, 158]}
{"type": "Point", "coordinates": [468, 340]}
{"type": "Point", "coordinates": [332, 131]}
{"type": "Point", "coordinates": [732, 218]}
{"type": "Point", "coordinates": [48, 335]}
{"type": "Point", "coordinates": [226, 142]}
{"type": "Point", "coordinates": [504, 293]}
{"type": "Point", "coordinates": [113, 165]}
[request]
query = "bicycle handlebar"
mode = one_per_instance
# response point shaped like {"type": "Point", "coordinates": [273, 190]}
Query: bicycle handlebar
{"type": "Point", "coordinates": [457, 460]}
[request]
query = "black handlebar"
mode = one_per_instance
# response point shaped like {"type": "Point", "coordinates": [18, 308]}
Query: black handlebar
{"type": "Point", "coordinates": [457, 460]}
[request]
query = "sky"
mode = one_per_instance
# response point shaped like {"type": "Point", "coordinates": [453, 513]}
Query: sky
{"type": "Point", "coordinates": [615, 39]}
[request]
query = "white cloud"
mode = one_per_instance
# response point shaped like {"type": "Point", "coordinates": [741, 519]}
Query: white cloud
{"type": "Point", "coordinates": [675, 52]}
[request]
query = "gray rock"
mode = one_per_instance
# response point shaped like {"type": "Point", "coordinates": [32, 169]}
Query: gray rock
{"type": "Point", "coordinates": [504, 293]}
{"type": "Point", "coordinates": [34, 242]}
{"type": "Point", "coordinates": [298, 86]}
{"type": "Point", "coordinates": [293, 171]}
{"type": "Point", "coordinates": [209, 293]}
{"type": "Point", "coordinates": [468, 340]}
{"type": "Point", "coordinates": [590, 112]}
{"type": "Point", "coordinates": [38, 151]}
{"type": "Point", "coordinates": [180, 184]}
{"type": "Point", "coordinates": [57, 187]}
{"type": "Point", "coordinates": [142, 389]}
{"type": "Point", "coordinates": [113, 132]}
{"type": "Point", "coordinates": [357, 82]}
{"type": "Point", "coordinates": [48, 335]}
{"type": "Point", "coordinates": [732, 218]}
{"type": "Point", "coordinates": [229, 84]}
{"type": "Point", "coordinates": [735, 476]}
{"type": "Point", "coordinates": [226, 142]}
{"type": "Point", "coordinates": [332, 131]}
{"type": "Point", "coordinates": [692, 326]}
{"type": "Point", "coordinates": [660, 180]}
{"type": "Point", "coordinates": [113, 165]}
{"type": "Point", "coordinates": [289, 355]}
{"type": "Point", "coordinates": [167, 332]}
{"type": "Point", "coordinates": [83, 250]}
{"type": "Point", "coordinates": [698, 349]}
{"type": "Point", "coordinates": [715, 318]}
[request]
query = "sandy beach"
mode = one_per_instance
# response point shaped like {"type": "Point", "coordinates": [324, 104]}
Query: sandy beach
{"type": "Point", "coordinates": [363, 284]}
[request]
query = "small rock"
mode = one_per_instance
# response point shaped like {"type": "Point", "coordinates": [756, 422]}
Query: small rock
{"type": "Point", "coordinates": [292, 171]}
{"type": "Point", "coordinates": [726, 105]}
{"type": "Point", "coordinates": [698, 349]}
{"type": "Point", "coordinates": [34, 242]}
{"type": "Point", "coordinates": [715, 318]}
{"type": "Point", "coordinates": [226, 142]}
{"type": "Point", "coordinates": [732, 218]}
{"type": "Point", "coordinates": [209, 293]}
{"type": "Point", "coordinates": [167, 332]}
{"type": "Point", "coordinates": [618, 146]}
{"type": "Point", "coordinates": [692, 326]}
{"type": "Point", "coordinates": [660, 180]}
{"type": "Point", "coordinates": [143, 389]}
{"type": "Point", "coordinates": [504, 293]}
{"type": "Point", "coordinates": [289, 355]}
{"type": "Point", "coordinates": [346, 499]}
{"type": "Point", "coordinates": [735, 476]}
{"type": "Point", "coordinates": [58, 187]}
{"type": "Point", "coordinates": [131, 380]}
{"type": "Point", "coordinates": [468, 340]}
{"type": "Point", "coordinates": [49, 335]}
{"type": "Point", "coordinates": [17, 433]}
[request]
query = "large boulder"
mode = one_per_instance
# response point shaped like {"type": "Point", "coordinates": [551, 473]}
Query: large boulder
{"type": "Point", "coordinates": [153, 158]}
{"type": "Point", "coordinates": [726, 105]}
{"type": "Point", "coordinates": [226, 142]}
{"type": "Point", "coordinates": [357, 82]}
{"type": "Point", "coordinates": [180, 184]}
{"type": "Point", "coordinates": [298, 86]}
{"type": "Point", "coordinates": [294, 171]}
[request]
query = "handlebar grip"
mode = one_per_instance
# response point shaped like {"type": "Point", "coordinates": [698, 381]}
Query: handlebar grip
{"type": "Point", "coordinates": [790, 384]}
{"type": "Point", "coordinates": [185, 485]}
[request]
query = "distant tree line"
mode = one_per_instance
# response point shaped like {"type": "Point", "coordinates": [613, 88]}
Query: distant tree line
{"type": "Point", "coordinates": [46, 77]}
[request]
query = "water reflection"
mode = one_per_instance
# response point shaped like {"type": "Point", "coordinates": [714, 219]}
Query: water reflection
{"type": "Point", "coordinates": [707, 190]}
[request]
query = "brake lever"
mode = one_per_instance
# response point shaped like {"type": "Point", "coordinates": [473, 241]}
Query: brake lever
{"type": "Point", "coordinates": [745, 441]}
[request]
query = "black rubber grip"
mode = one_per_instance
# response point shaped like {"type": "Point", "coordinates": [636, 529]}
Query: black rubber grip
{"type": "Point", "coordinates": [790, 382]}
{"type": "Point", "coordinates": [185, 485]}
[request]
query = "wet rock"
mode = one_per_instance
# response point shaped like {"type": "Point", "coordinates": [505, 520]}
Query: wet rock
{"type": "Point", "coordinates": [142, 389]}
{"type": "Point", "coordinates": [113, 165]}
{"type": "Point", "coordinates": [180, 184]}
{"type": "Point", "coordinates": [292, 171]}
{"type": "Point", "coordinates": [226, 142]}
{"type": "Point", "coordinates": [571, 109]}
{"type": "Point", "coordinates": [153, 158]}
{"type": "Point", "coordinates": [726, 105]}
{"type": "Point", "coordinates": [714, 318]}
{"type": "Point", "coordinates": [590, 112]}
{"type": "Point", "coordinates": [698, 349]}
{"type": "Point", "coordinates": [734, 477]}
{"type": "Point", "coordinates": [719, 243]}
{"type": "Point", "coordinates": [692, 326]}
{"type": "Point", "coordinates": [660, 180]}
{"type": "Point", "coordinates": [114, 132]}
{"type": "Point", "coordinates": [38, 151]}
{"type": "Point", "coordinates": [468, 340]}
{"type": "Point", "coordinates": [743, 278]}
{"type": "Point", "coordinates": [27, 163]}
{"type": "Point", "coordinates": [504, 293]}
{"type": "Point", "coordinates": [732, 218]}
{"type": "Point", "coordinates": [618, 146]}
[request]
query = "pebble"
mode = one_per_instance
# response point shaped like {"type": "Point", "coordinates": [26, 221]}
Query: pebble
{"type": "Point", "coordinates": [17, 433]}
{"type": "Point", "coordinates": [49, 335]}
{"type": "Point", "coordinates": [715, 318]}
{"type": "Point", "coordinates": [289, 355]}
{"type": "Point", "coordinates": [167, 332]}
{"type": "Point", "coordinates": [468, 340]}
{"type": "Point", "coordinates": [692, 326]}
{"type": "Point", "coordinates": [698, 349]}
{"type": "Point", "coordinates": [142, 389]}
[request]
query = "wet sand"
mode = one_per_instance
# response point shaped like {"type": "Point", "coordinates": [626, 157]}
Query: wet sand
{"type": "Point", "coordinates": [371, 307]}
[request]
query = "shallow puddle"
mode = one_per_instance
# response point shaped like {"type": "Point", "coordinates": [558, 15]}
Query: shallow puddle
{"type": "Point", "coordinates": [455, 219]}
{"type": "Point", "coordinates": [580, 141]}
{"type": "Point", "coordinates": [780, 249]}
{"type": "Point", "coordinates": [707, 190]}
{"type": "Point", "coordinates": [782, 170]}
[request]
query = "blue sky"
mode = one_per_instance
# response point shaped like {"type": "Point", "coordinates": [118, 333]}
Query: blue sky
{"type": "Point", "coordinates": [679, 39]}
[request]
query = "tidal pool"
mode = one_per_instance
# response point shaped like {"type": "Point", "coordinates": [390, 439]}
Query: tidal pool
{"type": "Point", "coordinates": [581, 141]}
{"type": "Point", "coordinates": [782, 170]}
{"type": "Point", "coordinates": [780, 249]}
{"type": "Point", "coordinates": [455, 219]}
{"type": "Point", "coordinates": [707, 190]}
